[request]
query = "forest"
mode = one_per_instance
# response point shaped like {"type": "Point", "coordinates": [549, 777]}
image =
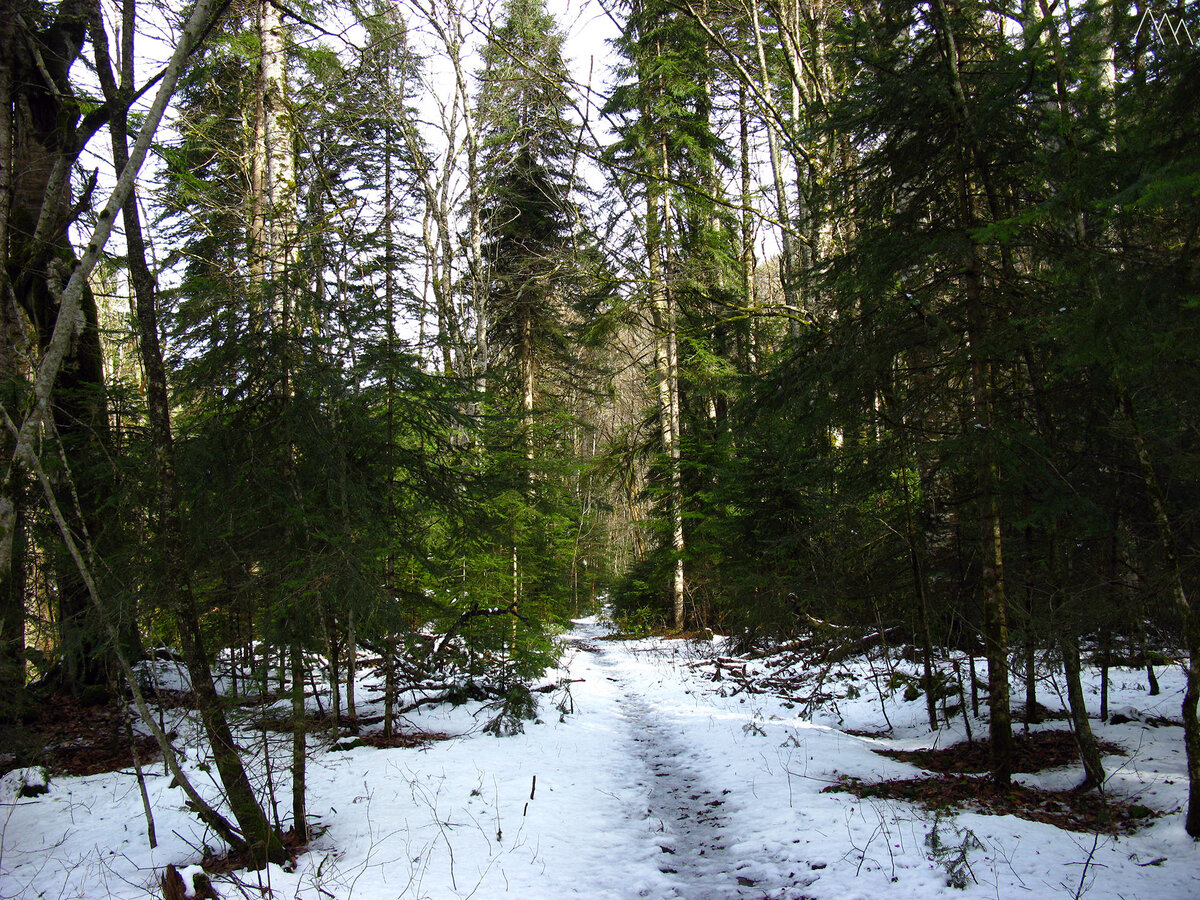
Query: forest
{"type": "Point", "coordinates": [388, 334]}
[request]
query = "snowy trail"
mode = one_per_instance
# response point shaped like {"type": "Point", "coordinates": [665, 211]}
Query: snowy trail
{"type": "Point", "coordinates": [691, 824]}
{"type": "Point", "coordinates": [652, 782]}
{"type": "Point", "coordinates": [673, 755]}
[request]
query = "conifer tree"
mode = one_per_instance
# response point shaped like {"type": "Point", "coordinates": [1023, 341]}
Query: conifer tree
{"type": "Point", "coordinates": [687, 90]}
{"type": "Point", "coordinates": [531, 222]}
{"type": "Point", "coordinates": [540, 270]}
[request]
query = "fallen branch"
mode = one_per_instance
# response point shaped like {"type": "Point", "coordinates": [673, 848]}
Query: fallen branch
{"type": "Point", "coordinates": [474, 612]}
{"type": "Point", "coordinates": [549, 688]}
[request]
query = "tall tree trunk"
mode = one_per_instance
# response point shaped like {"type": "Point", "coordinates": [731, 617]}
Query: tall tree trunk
{"type": "Point", "coordinates": [992, 584]}
{"type": "Point", "coordinates": [745, 348]}
{"type": "Point", "coordinates": [43, 134]}
{"type": "Point", "coordinates": [176, 588]}
{"type": "Point", "coordinates": [274, 206]}
{"type": "Point", "coordinates": [299, 751]}
{"type": "Point", "coordinates": [787, 263]}
{"type": "Point", "coordinates": [668, 388]}
{"type": "Point", "coordinates": [277, 200]}
{"type": "Point", "coordinates": [1191, 625]}
{"type": "Point", "coordinates": [12, 557]}
{"type": "Point", "coordinates": [389, 561]}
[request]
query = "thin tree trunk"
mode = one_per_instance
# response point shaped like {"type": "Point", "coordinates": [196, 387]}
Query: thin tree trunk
{"type": "Point", "coordinates": [12, 557]}
{"type": "Point", "coordinates": [1031, 716]}
{"type": "Point", "coordinates": [962, 697]}
{"type": "Point", "coordinates": [916, 557]}
{"type": "Point", "coordinates": [1152, 687]}
{"type": "Point", "coordinates": [666, 366]}
{"type": "Point", "coordinates": [147, 809]}
{"type": "Point", "coordinates": [389, 562]}
{"type": "Point", "coordinates": [745, 349]}
{"type": "Point", "coordinates": [992, 582]}
{"type": "Point", "coordinates": [334, 668]}
{"type": "Point", "coordinates": [351, 671]}
{"type": "Point", "coordinates": [1191, 627]}
{"type": "Point", "coordinates": [277, 201]}
{"type": "Point", "coordinates": [274, 202]}
{"type": "Point", "coordinates": [782, 207]}
{"type": "Point", "coordinates": [255, 830]}
{"type": "Point", "coordinates": [234, 643]}
{"type": "Point", "coordinates": [299, 750]}
{"type": "Point", "coordinates": [389, 687]}
{"type": "Point", "coordinates": [12, 586]}
{"type": "Point", "coordinates": [1068, 643]}
{"type": "Point", "coordinates": [974, 680]}
{"type": "Point", "coordinates": [674, 451]}
{"type": "Point", "coordinates": [1089, 751]}
{"type": "Point", "coordinates": [1105, 663]}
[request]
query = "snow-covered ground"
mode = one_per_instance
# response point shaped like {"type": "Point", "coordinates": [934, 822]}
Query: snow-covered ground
{"type": "Point", "coordinates": [654, 785]}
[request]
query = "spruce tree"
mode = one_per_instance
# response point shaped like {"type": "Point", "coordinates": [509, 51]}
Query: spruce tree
{"type": "Point", "coordinates": [539, 271]}
{"type": "Point", "coordinates": [667, 153]}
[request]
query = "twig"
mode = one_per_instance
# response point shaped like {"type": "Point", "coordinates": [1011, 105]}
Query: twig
{"type": "Point", "coordinates": [141, 777]}
{"type": "Point", "coordinates": [1079, 891]}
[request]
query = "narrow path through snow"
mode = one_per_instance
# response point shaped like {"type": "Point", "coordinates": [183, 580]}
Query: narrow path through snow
{"type": "Point", "coordinates": [686, 812]}
{"type": "Point", "coordinates": [642, 780]}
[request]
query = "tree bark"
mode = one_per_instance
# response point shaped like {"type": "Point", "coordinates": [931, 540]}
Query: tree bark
{"type": "Point", "coordinates": [389, 687]}
{"type": "Point", "coordinates": [1089, 751]}
{"type": "Point", "coordinates": [916, 556]}
{"type": "Point", "coordinates": [992, 584]}
{"type": "Point", "coordinates": [43, 134]}
{"type": "Point", "coordinates": [1068, 643]}
{"type": "Point", "coordinates": [299, 732]}
{"type": "Point", "coordinates": [351, 671]}
{"type": "Point", "coordinates": [668, 387]}
{"type": "Point", "coordinates": [333, 667]}
{"type": "Point", "coordinates": [274, 201]}
{"type": "Point", "coordinates": [12, 559]}
{"type": "Point", "coordinates": [1191, 627]}
{"type": "Point", "coordinates": [261, 838]}
{"type": "Point", "coordinates": [788, 263]}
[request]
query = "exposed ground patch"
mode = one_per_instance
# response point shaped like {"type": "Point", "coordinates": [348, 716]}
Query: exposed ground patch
{"type": "Point", "coordinates": [70, 737]}
{"type": "Point", "coordinates": [1035, 752]}
{"type": "Point", "coordinates": [399, 739]}
{"type": "Point", "coordinates": [1087, 812]}
{"type": "Point", "coordinates": [958, 785]}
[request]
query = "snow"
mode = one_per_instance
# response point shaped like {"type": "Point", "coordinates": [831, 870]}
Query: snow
{"type": "Point", "coordinates": [162, 675]}
{"type": "Point", "coordinates": [188, 874]}
{"type": "Point", "coordinates": [22, 782]}
{"type": "Point", "coordinates": [652, 785]}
